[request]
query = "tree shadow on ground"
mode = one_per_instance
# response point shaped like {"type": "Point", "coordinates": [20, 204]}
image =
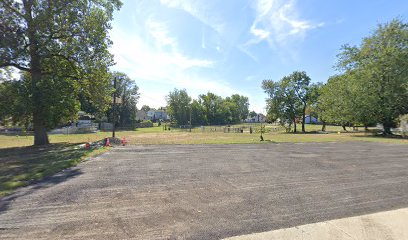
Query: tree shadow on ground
{"type": "Point", "coordinates": [22, 166]}
{"type": "Point", "coordinates": [37, 185]}
{"type": "Point", "coordinates": [382, 136]}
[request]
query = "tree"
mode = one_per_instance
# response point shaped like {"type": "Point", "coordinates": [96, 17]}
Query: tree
{"type": "Point", "coordinates": [214, 108]}
{"type": "Point", "coordinates": [62, 46]}
{"type": "Point", "coordinates": [198, 116]}
{"type": "Point", "coordinates": [288, 98]}
{"type": "Point", "coordinates": [300, 82]}
{"type": "Point", "coordinates": [178, 102]}
{"type": "Point", "coordinates": [335, 101]}
{"type": "Point", "coordinates": [14, 105]}
{"type": "Point", "coordinates": [378, 69]}
{"type": "Point", "coordinates": [242, 104]}
{"type": "Point", "coordinates": [314, 107]}
{"type": "Point", "coordinates": [282, 102]}
{"type": "Point", "coordinates": [128, 92]}
{"type": "Point", "coordinates": [342, 100]}
{"type": "Point", "coordinates": [253, 114]}
{"type": "Point", "coordinates": [145, 108]}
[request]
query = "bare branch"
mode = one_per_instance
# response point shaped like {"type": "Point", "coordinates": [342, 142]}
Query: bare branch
{"type": "Point", "coordinates": [9, 64]}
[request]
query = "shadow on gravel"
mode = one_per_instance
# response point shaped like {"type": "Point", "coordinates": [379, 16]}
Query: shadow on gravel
{"type": "Point", "coordinates": [44, 183]}
{"type": "Point", "coordinates": [23, 166]}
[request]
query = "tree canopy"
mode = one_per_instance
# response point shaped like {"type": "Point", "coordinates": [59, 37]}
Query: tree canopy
{"type": "Point", "coordinates": [145, 108]}
{"type": "Point", "coordinates": [128, 92]}
{"type": "Point", "coordinates": [62, 48]}
{"type": "Point", "coordinates": [372, 84]}
{"type": "Point", "coordinates": [288, 98]}
{"type": "Point", "coordinates": [208, 109]}
{"type": "Point", "coordinates": [178, 102]}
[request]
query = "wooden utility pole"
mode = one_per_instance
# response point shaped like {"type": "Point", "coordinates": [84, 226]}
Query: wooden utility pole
{"type": "Point", "coordinates": [191, 108]}
{"type": "Point", "coordinates": [114, 107]}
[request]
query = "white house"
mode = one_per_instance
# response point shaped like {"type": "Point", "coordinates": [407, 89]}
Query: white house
{"type": "Point", "coordinates": [310, 119]}
{"type": "Point", "coordinates": [157, 115]}
{"type": "Point", "coordinates": [258, 118]}
{"type": "Point", "coordinates": [141, 115]}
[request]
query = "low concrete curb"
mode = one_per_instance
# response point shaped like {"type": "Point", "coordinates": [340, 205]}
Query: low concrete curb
{"type": "Point", "coordinates": [382, 225]}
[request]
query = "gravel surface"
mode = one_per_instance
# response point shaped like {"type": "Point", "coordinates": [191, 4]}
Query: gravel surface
{"type": "Point", "coordinates": [208, 191]}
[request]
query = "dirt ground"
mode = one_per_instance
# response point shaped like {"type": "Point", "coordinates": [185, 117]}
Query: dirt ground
{"type": "Point", "coordinates": [208, 191]}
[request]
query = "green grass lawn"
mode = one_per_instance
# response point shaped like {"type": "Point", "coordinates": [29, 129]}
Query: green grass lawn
{"type": "Point", "coordinates": [20, 166]}
{"type": "Point", "coordinates": [157, 135]}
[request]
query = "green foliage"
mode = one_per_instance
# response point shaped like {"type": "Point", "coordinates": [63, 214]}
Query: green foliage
{"type": "Point", "coordinates": [145, 108]}
{"type": "Point", "coordinates": [198, 116]}
{"type": "Point", "coordinates": [242, 106]}
{"type": "Point", "coordinates": [62, 46]}
{"type": "Point", "coordinates": [373, 85]}
{"type": "Point", "coordinates": [288, 98]}
{"type": "Point", "coordinates": [208, 109]}
{"type": "Point", "coordinates": [219, 111]}
{"type": "Point", "coordinates": [14, 105]}
{"type": "Point", "coordinates": [253, 114]}
{"type": "Point", "coordinates": [213, 108]}
{"type": "Point", "coordinates": [145, 124]}
{"type": "Point", "coordinates": [128, 92]}
{"type": "Point", "coordinates": [178, 102]}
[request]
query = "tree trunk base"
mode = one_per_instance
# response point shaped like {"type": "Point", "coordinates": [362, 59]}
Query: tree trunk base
{"type": "Point", "coordinates": [40, 137]}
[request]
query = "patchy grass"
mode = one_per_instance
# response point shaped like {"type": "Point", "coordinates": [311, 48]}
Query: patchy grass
{"type": "Point", "coordinates": [156, 135]}
{"type": "Point", "coordinates": [20, 166]}
{"type": "Point", "coordinates": [233, 138]}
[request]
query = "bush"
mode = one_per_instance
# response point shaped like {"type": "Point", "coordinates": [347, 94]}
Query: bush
{"type": "Point", "coordinates": [144, 124]}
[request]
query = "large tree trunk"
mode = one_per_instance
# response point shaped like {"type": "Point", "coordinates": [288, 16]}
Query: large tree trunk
{"type": "Point", "coordinates": [387, 128]}
{"type": "Point", "coordinates": [40, 130]}
{"type": "Point", "coordinates": [303, 120]}
{"type": "Point", "coordinates": [344, 127]}
{"type": "Point", "coordinates": [294, 125]}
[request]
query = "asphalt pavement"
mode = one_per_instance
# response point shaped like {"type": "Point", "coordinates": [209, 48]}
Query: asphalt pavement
{"type": "Point", "coordinates": [208, 191]}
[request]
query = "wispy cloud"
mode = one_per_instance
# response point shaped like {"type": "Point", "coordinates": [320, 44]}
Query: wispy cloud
{"type": "Point", "coordinates": [153, 56]}
{"type": "Point", "coordinates": [199, 9]}
{"type": "Point", "coordinates": [159, 31]}
{"type": "Point", "coordinates": [278, 23]}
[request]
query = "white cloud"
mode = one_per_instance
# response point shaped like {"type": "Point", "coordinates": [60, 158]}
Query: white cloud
{"type": "Point", "coordinates": [154, 60]}
{"type": "Point", "coordinates": [199, 9]}
{"type": "Point", "coordinates": [277, 22]}
{"type": "Point", "coordinates": [159, 31]}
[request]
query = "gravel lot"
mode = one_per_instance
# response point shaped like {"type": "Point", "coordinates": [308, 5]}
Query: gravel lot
{"type": "Point", "coordinates": [208, 191]}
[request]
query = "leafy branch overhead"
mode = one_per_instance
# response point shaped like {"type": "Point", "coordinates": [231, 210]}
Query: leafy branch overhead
{"type": "Point", "coordinates": [63, 48]}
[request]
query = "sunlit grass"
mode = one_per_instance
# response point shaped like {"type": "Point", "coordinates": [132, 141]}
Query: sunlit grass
{"type": "Point", "coordinates": [157, 135]}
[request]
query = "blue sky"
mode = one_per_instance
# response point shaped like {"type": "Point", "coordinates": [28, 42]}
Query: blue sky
{"type": "Point", "coordinates": [230, 46]}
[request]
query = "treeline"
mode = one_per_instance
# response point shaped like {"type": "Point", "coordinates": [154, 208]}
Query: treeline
{"type": "Point", "coordinates": [207, 109]}
{"type": "Point", "coordinates": [62, 51]}
{"type": "Point", "coordinates": [62, 102]}
{"type": "Point", "coordinates": [371, 87]}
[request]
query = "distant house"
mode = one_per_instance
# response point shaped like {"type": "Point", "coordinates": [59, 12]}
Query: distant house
{"type": "Point", "coordinates": [141, 115]}
{"type": "Point", "coordinates": [157, 115]}
{"type": "Point", "coordinates": [258, 118]}
{"type": "Point", "coordinates": [310, 119]}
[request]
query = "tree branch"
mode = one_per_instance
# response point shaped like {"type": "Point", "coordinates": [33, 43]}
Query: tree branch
{"type": "Point", "coordinates": [68, 59]}
{"type": "Point", "coordinates": [13, 9]}
{"type": "Point", "coordinates": [8, 64]}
